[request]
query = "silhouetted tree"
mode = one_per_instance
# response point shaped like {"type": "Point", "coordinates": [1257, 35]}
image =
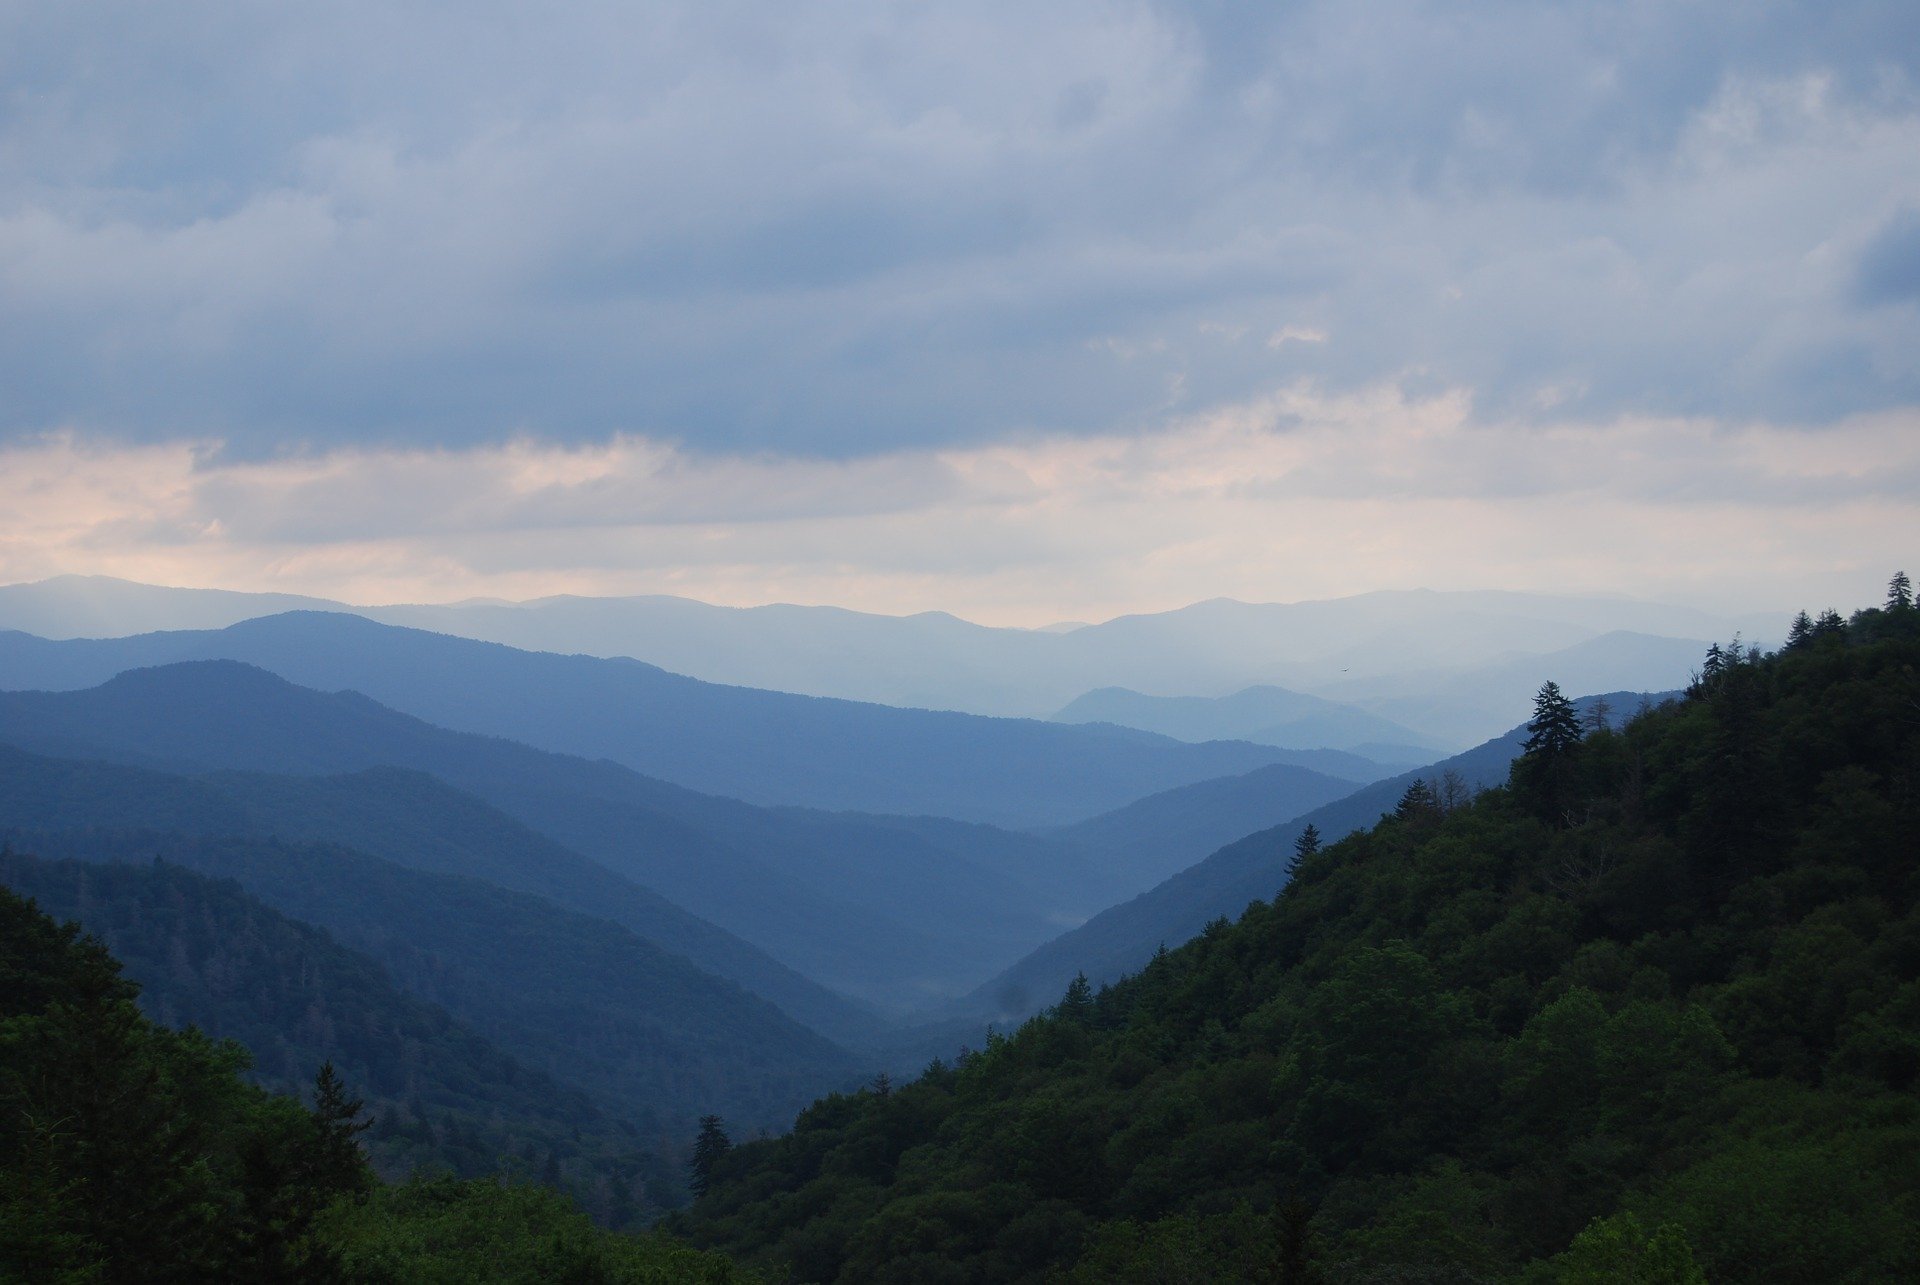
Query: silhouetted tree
{"type": "Point", "coordinates": [1800, 632]}
{"type": "Point", "coordinates": [1554, 728]}
{"type": "Point", "coordinates": [1899, 592]}
{"type": "Point", "coordinates": [339, 1163]}
{"type": "Point", "coordinates": [708, 1148]}
{"type": "Point", "coordinates": [1305, 844]}
{"type": "Point", "coordinates": [1077, 1004]}
{"type": "Point", "coordinates": [1419, 803]}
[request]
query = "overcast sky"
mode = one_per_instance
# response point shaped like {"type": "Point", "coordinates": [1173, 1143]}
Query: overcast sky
{"type": "Point", "coordinates": [1021, 311]}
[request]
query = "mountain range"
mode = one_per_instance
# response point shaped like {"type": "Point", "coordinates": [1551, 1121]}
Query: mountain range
{"type": "Point", "coordinates": [1338, 649]}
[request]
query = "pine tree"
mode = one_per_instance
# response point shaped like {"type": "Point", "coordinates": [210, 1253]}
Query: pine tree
{"type": "Point", "coordinates": [1077, 1004]}
{"type": "Point", "coordinates": [1306, 844]}
{"type": "Point", "coordinates": [1899, 592]}
{"type": "Point", "coordinates": [708, 1149]}
{"type": "Point", "coordinates": [1554, 728]}
{"type": "Point", "coordinates": [1800, 633]}
{"type": "Point", "coordinates": [340, 1166]}
{"type": "Point", "coordinates": [1419, 803]}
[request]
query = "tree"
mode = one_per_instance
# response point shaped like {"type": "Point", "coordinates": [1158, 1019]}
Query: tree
{"type": "Point", "coordinates": [1554, 728]}
{"type": "Point", "coordinates": [1899, 592]}
{"type": "Point", "coordinates": [708, 1149]}
{"type": "Point", "coordinates": [1419, 803]}
{"type": "Point", "coordinates": [1077, 1004]}
{"type": "Point", "coordinates": [1800, 633]}
{"type": "Point", "coordinates": [1599, 715]}
{"type": "Point", "coordinates": [340, 1165]}
{"type": "Point", "coordinates": [1306, 844]}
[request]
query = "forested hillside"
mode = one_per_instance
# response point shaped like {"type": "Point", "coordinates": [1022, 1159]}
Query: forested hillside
{"type": "Point", "coordinates": [861, 904]}
{"type": "Point", "coordinates": [1647, 1012]}
{"type": "Point", "coordinates": [132, 1153]}
{"type": "Point", "coordinates": [655, 1041]}
{"type": "Point", "coordinates": [405, 817]}
{"type": "Point", "coordinates": [438, 1095]}
{"type": "Point", "coordinates": [1219, 877]}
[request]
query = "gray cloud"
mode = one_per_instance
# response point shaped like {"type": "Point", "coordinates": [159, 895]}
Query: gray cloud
{"type": "Point", "coordinates": [845, 228]}
{"type": "Point", "coordinates": [1889, 270]}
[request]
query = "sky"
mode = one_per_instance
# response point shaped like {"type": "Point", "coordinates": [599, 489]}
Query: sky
{"type": "Point", "coordinates": [1025, 312]}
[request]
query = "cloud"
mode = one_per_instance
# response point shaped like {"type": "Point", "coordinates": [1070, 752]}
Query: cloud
{"type": "Point", "coordinates": [1889, 268]}
{"type": "Point", "coordinates": [861, 228]}
{"type": "Point", "coordinates": [1301, 493]}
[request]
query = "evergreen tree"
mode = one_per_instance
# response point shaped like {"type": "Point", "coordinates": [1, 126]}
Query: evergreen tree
{"type": "Point", "coordinates": [1800, 633]}
{"type": "Point", "coordinates": [1554, 728]}
{"type": "Point", "coordinates": [1899, 592]}
{"type": "Point", "coordinates": [1419, 803]}
{"type": "Point", "coordinates": [340, 1166]}
{"type": "Point", "coordinates": [1304, 845]}
{"type": "Point", "coordinates": [708, 1148]}
{"type": "Point", "coordinates": [1077, 1004]}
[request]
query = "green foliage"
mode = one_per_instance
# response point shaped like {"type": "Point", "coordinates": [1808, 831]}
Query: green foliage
{"type": "Point", "coordinates": [439, 1094]}
{"type": "Point", "coordinates": [444, 1231]}
{"type": "Point", "coordinates": [708, 1150]}
{"type": "Point", "coordinates": [1645, 1014]}
{"type": "Point", "coordinates": [132, 1153]}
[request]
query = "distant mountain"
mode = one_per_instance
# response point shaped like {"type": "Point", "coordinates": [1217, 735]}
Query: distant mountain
{"type": "Point", "coordinates": [1120, 940]}
{"type": "Point", "coordinates": [1264, 715]}
{"type": "Point", "coordinates": [409, 818]}
{"type": "Point", "coordinates": [937, 661]}
{"type": "Point", "coordinates": [1475, 702]}
{"type": "Point", "coordinates": [765, 747]}
{"type": "Point", "coordinates": [872, 906]}
{"type": "Point", "coordinates": [652, 1038]}
{"type": "Point", "coordinates": [207, 954]}
{"type": "Point", "coordinates": [1156, 837]}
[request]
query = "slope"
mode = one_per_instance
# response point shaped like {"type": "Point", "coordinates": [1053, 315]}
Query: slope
{"type": "Point", "coordinates": [409, 818]}
{"type": "Point", "coordinates": [1148, 841]}
{"type": "Point", "coordinates": [1266, 715]}
{"type": "Point", "coordinates": [864, 905]}
{"type": "Point", "coordinates": [1645, 1014]}
{"type": "Point", "coordinates": [206, 954]}
{"type": "Point", "coordinates": [1122, 938]}
{"type": "Point", "coordinates": [649, 1036]}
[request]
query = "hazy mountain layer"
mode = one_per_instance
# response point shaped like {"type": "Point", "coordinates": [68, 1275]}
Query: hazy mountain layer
{"type": "Point", "coordinates": [409, 818]}
{"type": "Point", "coordinates": [1148, 841]}
{"type": "Point", "coordinates": [765, 747]}
{"type": "Point", "coordinates": [647, 1034]}
{"type": "Point", "coordinates": [1264, 715]}
{"type": "Point", "coordinates": [207, 954]}
{"type": "Point", "coordinates": [1124, 937]}
{"type": "Point", "coordinates": [872, 906]}
{"type": "Point", "coordinates": [937, 661]}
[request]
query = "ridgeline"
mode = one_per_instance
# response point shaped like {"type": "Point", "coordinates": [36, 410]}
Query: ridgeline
{"type": "Point", "coordinates": [1649, 1012]}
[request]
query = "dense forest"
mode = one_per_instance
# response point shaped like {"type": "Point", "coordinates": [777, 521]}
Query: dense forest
{"type": "Point", "coordinates": [1650, 1011]}
{"type": "Point", "coordinates": [438, 1094]}
{"type": "Point", "coordinates": [134, 1153]}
